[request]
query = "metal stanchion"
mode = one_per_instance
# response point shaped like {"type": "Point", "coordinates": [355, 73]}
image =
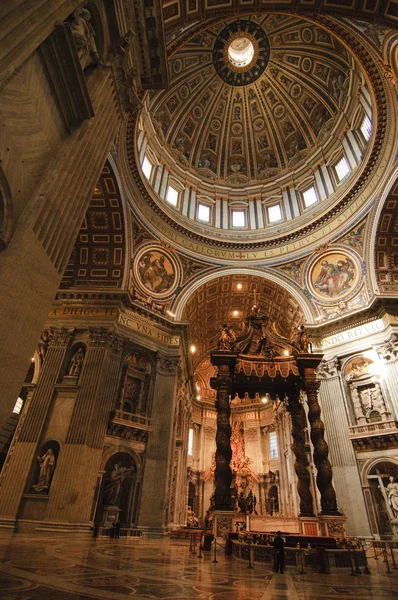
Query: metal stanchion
{"type": "Point", "coordinates": [385, 554]}
{"type": "Point", "coordinates": [374, 550]}
{"type": "Point", "coordinates": [353, 573]}
{"type": "Point", "coordinates": [194, 543]}
{"type": "Point", "coordinates": [200, 555]}
{"type": "Point", "coordinates": [393, 557]}
{"type": "Point", "coordinates": [250, 565]}
{"type": "Point", "coordinates": [215, 550]}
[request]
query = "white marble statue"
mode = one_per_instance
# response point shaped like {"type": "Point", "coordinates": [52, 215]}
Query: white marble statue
{"type": "Point", "coordinates": [47, 466]}
{"type": "Point", "coordinates": [392, 495]}
{"type": "Point", "coordinates": [84, 38]}
{"type": "Point", "coordinates": [75, 365]}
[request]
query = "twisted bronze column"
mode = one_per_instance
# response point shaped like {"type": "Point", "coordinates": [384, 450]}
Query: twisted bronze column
{"type": "Point", "coordinates": [225, 361]}
{"type": "Point", "coordinates": [297, 413]}
{"type": "Point", "coordinates": [321, 449]}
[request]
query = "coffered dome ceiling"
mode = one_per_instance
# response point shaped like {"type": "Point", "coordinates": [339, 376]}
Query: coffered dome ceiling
{"type": "Point", "coordinates": [243, 124]}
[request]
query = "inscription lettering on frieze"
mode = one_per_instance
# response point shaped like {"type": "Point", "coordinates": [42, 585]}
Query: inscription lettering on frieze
{"type": "Point", "coordinates": [350, 335]}
{"type": "Point", "coordinates": [82, 311]}
{"type": "Point", "coordinates": [148, 330]}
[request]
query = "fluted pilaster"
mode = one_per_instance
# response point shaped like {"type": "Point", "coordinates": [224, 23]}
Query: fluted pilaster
{"type": "Point", "coordinates": [345, 472]}
{"type": "Point", "coordinates": [73, 486]}
{"type": "Point", "coordinates": [160, 449]}
{"type": "Point", "coordinates": [18, 465]}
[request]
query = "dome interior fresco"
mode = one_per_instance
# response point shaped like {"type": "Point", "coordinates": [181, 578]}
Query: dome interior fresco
{"type": "Point", "coordinates": [221, 301]}
{"type": "Point", "coordinates": [243, 135]}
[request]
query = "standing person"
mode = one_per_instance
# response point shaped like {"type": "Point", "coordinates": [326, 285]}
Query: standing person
{"type": "Point", "coordinates": [279, 553]}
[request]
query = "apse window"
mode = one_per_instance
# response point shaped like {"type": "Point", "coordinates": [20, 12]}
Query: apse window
{"type": "Point", "coordinates": [190, 442]}
{"type": "Point", "coordinates": [274, 213]}
{"type": "Point", "coordinates": [146, 167]}
{"type": "Point", "coordinates": [273, 445]}
{"type": "Point", "coordinates": [342, 168]}
{"type": "Point", "coordinates": [310, 197]}
{"type": "Point", "coordinates": [204, 213]}
{"type": "Point", "coordinates": [241, 52]}
{"type": "Point", "coordinates": [172, 195]}
{"type": "Point", "coordinates": [366, 128]}
{"type": "Point", "coordinates": [238, 218]}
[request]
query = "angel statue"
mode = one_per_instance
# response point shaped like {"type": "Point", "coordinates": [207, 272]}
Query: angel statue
{"type": "Point", "coordinates": [227, 338]}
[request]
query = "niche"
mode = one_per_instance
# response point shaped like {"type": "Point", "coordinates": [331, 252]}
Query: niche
{"type": "Point", "coordinates": [44, 466]}
{"type": "Point", "coordinates": [136, 377]}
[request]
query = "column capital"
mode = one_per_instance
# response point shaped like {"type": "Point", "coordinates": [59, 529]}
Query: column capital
{"type": "Point", "coordinates": [167, 365]}
{"type": "Point", "coordinates": [98, 336]}
{"type": "Point", "coordinates": [60, 338]}
{"type": "Point", "coordinates": [328, 369]}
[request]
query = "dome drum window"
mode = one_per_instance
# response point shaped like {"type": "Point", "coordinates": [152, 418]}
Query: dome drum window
{"type": "Point", "coordinates": [342, 168]}
{"type": "Point", "coordinates": [147, 167]}
{"type": "Point", "coordinates": [172, 195]}
{"type": "Point", "coordinates": [366, 128]}
{"type": "Point", "coordinates": [310, 196]}
{"type": "Point", "coordinates": [238, 218]}
{"type": "Point", "coordinates": [274, 213]}
{"type": "Point", "coordinates": [203, 213]}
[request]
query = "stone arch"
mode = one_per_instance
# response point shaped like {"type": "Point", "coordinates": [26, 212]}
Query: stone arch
{"type": "Point", "coordinates": [119, 495]}
{"type": "Point", "coordinates": [375, 478]}
{"type": "Point", "coordinates": [182, 299]}
{"type": "Point", "coordinates": [383, 254]}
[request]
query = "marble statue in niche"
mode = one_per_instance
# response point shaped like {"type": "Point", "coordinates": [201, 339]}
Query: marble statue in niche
{"type": "Point", "coordinates": [113, 489]}
{"type": "Point", "coordinates": [84, 38]}
{"type": "Point", "coordinates": [47, 466]}
{"type": "Point", "coordinates": [75, 365]}
{"type": "Point", "coordinates": [392, 495]}
{"type": "Point", "coordinates": [131, 399]}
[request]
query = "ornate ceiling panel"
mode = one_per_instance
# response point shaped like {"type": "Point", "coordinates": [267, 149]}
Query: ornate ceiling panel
{"type": "Point", "coordinates": [222, 301]}
{"type": "Point", "coordinates": [386, 248]}
{"type": "Point", "coordinates": [241, 127]}
{"type": "Point", "coordinates": [97, 259]}
{"type": "Point", "coordinates": [178, 13]}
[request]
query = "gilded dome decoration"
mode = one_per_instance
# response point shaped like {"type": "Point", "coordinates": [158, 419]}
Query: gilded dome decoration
{"type": "Point", "coordinates": [243, 124]}
{"type": "Point", "coordinates": [241, 52]}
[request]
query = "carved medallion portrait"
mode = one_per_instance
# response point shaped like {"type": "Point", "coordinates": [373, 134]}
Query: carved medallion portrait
{"type": "Point", "coordinates": [333, 276]}
{"type": "Point", "coordinates": [156, 271]}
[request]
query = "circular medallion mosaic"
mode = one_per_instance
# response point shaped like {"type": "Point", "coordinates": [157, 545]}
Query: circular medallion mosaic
{"type": "Point", "coordinates": [156, 271]}
{"type": "Point", "coordinates": [241, 52]}
{"type": "Point", "coordinates": [334, 276]}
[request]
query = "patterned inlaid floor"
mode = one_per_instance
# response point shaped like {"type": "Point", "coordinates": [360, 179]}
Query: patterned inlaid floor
{"type": "Point", "coordinates": [72, 568]}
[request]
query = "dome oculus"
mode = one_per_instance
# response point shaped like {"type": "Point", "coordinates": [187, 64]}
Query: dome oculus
{"type": "Point", "coordinates": [241, 52]}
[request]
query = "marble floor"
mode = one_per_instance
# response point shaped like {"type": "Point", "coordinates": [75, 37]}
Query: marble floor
{"type": "Point", "coordinates": [68, 568]}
